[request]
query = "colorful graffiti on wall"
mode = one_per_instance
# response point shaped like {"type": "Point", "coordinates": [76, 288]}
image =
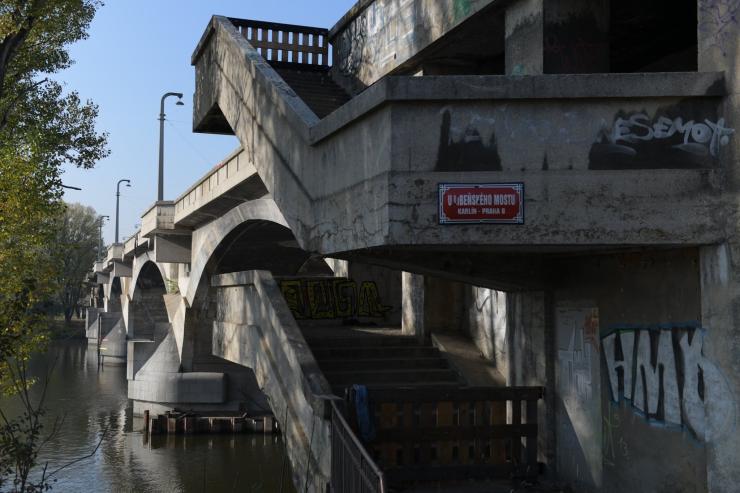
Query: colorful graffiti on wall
{"type": "Point", "coordinates": [667, 378]}
{"type": "Point", "coordinates": [329, 298]}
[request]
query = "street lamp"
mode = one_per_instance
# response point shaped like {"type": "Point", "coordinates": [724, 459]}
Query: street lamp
{"type": "Point", "coordinates": [118, 194]}
{"type": "Point", "coordinates": [100, 238]}
{"type": "Point", "coordinates": [160, 189]}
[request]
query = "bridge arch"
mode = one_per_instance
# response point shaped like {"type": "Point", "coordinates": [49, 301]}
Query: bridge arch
{"type": "Point", "coordinates": [253, 235]}
{"type": "Point", "coordinates": [113, 294]}
{"type": "Point", "coordinates": [147, 306]}
{"type": "Point", "coordinates": [138, 265]}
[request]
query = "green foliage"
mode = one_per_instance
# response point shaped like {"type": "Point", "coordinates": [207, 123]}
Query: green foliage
{"type": "Point", "coordinates": [39, 121]}
{"type": "Point", "coordinates": [28, 209]}
{"type": "Point", "coordinates": [41, 127]}
{"type": "Point", "coordinates": [75, 249]}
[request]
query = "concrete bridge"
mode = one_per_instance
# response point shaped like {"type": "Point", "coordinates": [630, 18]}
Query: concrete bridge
{"type": "Point", "coordinates": [513, 222]}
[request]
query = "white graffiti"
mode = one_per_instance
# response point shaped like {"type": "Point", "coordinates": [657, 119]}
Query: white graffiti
{"type": "Point", "coordinates": [647, 384]}
{"type": "Point", "coordinates": [701, 138]}
{"type": "Point", "coordinates": [575, 364]}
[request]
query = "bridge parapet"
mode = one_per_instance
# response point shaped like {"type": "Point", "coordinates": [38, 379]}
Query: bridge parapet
{"type": "Point", "coordinates": [132, 244]}
{"type": "Point", "coordinates": [159, 218]}
{"type": "Point", "coordinates": [115, 252]}
{"type": "Point", "coordinates": [228, 184]}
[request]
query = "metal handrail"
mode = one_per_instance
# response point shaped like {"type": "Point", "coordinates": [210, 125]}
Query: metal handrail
{"type": "Point", "coordinates": [352, 468]}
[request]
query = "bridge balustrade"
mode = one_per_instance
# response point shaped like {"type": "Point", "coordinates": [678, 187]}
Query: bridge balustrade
{"type": "Point", "coordinates": [286, 42]}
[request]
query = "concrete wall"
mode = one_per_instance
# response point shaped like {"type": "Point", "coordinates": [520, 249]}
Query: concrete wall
{"type": "Point", "coordinates": [113, 344]}
{"type": "Point", "coordinates": [487, 324]}
{"type": "Point", "coordinates": [387, 282]}
{"type": "Point", "coordinates": [643, 435]}
{"type": "Point", "coordinates": [560, 135]}
{"type": "Point", "coordinates": [254, 328]}
{"type": "Point", "coordinates": [412, 322]}
{"type": "Point", "coordinates": [376, 37]}
{"type": "Point", "coordinates": [719, 48]}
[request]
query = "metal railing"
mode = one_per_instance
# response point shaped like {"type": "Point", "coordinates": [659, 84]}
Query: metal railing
{"type": "Point", "coordinates": [352, 468]}
{"type": "Point", "coordinates": [286, 42]}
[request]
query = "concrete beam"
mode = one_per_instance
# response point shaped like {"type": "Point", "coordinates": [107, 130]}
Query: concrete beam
{"type": "Point", "coordinates": [115, 252]}
{"type": "Point", "coordinates": [121, 269]}
{"type": "Point", "coordinates": [160, 218]}
{"type": "Point", "coordinates": [172, 248]}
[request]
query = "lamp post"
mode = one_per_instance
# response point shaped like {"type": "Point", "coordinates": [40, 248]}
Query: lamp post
{"type": "Point", "coordinates": [118, 195]}
{"type": "Point", "coordinates": [160, 188]}
{"type": "Point", "coordinates": [100, 238]}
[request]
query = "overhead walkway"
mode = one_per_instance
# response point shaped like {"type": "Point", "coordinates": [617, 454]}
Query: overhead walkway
{"type": "Point", "coordinates": [364, 174]}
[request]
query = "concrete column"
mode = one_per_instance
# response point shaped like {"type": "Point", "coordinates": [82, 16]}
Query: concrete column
{"type": "Point", "coordinates": [718, 35]}
{"type": "Point", "coordinates": [576, 39]}
{"type": "Point", "coordinates": [524, 37]}
{"type": "Point", "coordinates": [338, 266]}
{"type": "Point", "coordinates": [557, 37]}
{"type": "Point", "coordinates": [412, 319]}
{"type": "Point", "coordinates": [444, 305]}
{"type": "Point", "coordinates": [531, 360]}
{"type": "Point", "coordinates": [720, 364]}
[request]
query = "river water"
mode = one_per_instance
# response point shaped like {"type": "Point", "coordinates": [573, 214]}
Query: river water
{"type": "Point", "coordinates": [94, 407]}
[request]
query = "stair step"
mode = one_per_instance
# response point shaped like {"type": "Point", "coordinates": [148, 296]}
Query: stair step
{"type": "Point", "coordinates": [362, 352]}
{"type": "Point", "coordinates": [362, 340]}
{"type": "Point", "coordinates": [398, 377]}
{"type": "Point", "coordinates": [338, 389]}
{"type": "Point", "coordinates": [382, 364]}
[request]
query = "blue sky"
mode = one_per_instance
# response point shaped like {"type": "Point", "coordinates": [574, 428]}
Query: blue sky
{"type": "Point", "coordinates": [137, 51]}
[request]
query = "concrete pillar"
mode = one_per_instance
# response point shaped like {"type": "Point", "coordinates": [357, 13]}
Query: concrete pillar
{"type": "Point", "coordinates": [576, 37]}
{"type": "Point", "coordinates": [557, 37]}
{"type": "Point", "coordinates": [720, 294]}
{"type": "Point", "coordinates": [524, 37]}
{"type": "Point", "coordinates": [718, 35]}
{"type": "Point", "coordinates": [338, 266]}
{"type": "Point", "coordinates": [444, 305]}
{"type": "Point", "coordinates": [531, 360]}
{"type": "Point", "coordinates": [412, 319]}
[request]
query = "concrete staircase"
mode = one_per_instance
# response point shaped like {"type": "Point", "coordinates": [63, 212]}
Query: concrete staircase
{"type": "Point", "coordinates": [377, 359]}
{"type": "Point", "coordinates": [434, 432]}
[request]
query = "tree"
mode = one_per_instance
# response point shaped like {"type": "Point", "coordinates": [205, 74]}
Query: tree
{"type": "Point", "coordinates": [41, 128]}
{"type": "Point", "coordinates": [76, 249]}
{"type": "Point", "coordinates": [36, 118]}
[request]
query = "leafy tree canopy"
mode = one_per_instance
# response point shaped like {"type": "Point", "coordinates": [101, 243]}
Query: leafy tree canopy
{"type": "Point", "coordinates": [76, 248]}
{"type": "Point", "coordinates": [37, 118]}
{"type": "Point", "coordinates": [41, 128]}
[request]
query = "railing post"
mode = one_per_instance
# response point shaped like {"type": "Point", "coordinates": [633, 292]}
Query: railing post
{"type": "Point", "coordinates": [286, 42]}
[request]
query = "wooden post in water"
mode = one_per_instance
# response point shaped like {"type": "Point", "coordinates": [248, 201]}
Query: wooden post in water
{"type": "Point", "coordinates": [100, 331]}
{"type": "Point", "coordinates": [146, 421]}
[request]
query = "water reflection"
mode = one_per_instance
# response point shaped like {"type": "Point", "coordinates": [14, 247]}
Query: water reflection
{"type": "Point", "coordinates": [95, 410]}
